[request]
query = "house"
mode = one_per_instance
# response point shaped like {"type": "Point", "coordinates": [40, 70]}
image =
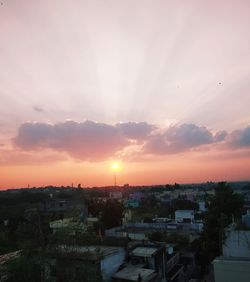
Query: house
{"type": "Point", "coordinates": [183, 216]}
{"type": "Point", "coordinates": [151, 257]}
{"type": "Point", "coordinates": [137, 196]}
{"type": "Point", "coordinates": [115, 195]}
{"type": "Point", "coordinates": [131, 203]}
{"type": "Point", "coordinates": [151, 262]}
{"type": "Point", "coordinates": [70, 225]}
{"type": "Point", "coordinates": [75, 263]}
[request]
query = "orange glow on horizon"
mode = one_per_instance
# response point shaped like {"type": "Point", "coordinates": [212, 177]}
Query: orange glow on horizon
{"type": "Point", "coordinates": [188, 168]}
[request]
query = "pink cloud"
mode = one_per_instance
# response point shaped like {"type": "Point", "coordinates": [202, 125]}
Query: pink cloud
{"type": "Point", "coordinates": [86, 140]}
{"type": "Point", "coordinates": [93, 141]}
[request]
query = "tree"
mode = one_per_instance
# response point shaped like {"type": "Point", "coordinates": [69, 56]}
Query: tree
{"type": "Point", "coordinates": [156, 236]}
{"type": "Point", "coordinates": [223, 207]}
{"type": "Point", "coordinates": [112, 214]}
{"type": "Point", "coordinates": [23, 269]}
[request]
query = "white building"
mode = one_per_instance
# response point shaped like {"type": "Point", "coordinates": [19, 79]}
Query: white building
{"type": "Point", "coordinates": [202, 206]}
{"type": "Point", "coordinates": [182, 216]}
{"type": "Point", "coordinates": [234, 265]}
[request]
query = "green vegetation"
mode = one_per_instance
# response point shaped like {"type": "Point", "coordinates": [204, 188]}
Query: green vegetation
{"type": "Point", "coordinates": [110, 213]}
{"type": "Point", "coordinates": [24, 268]}
{"type": "Point", "coordinates": [224, 207]}
{"type": "Point", "coordinates": [173, 238]}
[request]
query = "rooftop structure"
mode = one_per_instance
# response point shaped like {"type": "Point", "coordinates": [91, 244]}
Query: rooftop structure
{"type": "Point", "coordinates": [4, 260]}
{"type": "Point", "coordinates": [89, 252]}
{"type": "Point", "coordinates": [140, 231]}
{"type": "Point", "coordinates": [144, 251]}
{"type": "Point", "coordinates": [9, 256]}
{"type": "Point", "coordinates": [132, 273]}
{"type": "Point", "coordinates": [233, 269]}
{"type": "Point", "coordinates": [234, 264]}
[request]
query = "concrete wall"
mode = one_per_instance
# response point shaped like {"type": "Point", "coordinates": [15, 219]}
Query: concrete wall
{"type": "Point", "coordinates": [237, 244]}
{"type": "Point", "coordinates": [231, 271]}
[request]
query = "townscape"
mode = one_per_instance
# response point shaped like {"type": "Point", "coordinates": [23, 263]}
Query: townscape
{"type": "Point", "coordinates": [197, 232]}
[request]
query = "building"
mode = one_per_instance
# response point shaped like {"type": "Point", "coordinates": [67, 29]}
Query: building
{"type": "Point", "coordinates": [115, 195]}
{"type": "Point", "coordinates": [151, 262]}
{"type": "Point", "coordinates": [137, 196]}
{"type": "Point", "coordinates": [140, 231]}
{"type": "Point", "coordinates": [231, 269]}
{"type": "Point", "coordinates": [246, 219]}
{"type": "Point", "coordinates": [75, 263]}
{"type": "Point", "coordinates": [234, 264]}
{"type": "Point", "coordinates": [71, 226]}
{"type": "Point", "coordinates": [202, 206]}
{"type": "Point", "coordinates": [237, 243]}
{"type": "Point", "coordinates": [184, 216]}
{"type": "Point", "coordinates": [131, 203]}
{"type": "Point", "coordinates": [127, 216]}
{"type": "Point", "coordinates": [151, 257]}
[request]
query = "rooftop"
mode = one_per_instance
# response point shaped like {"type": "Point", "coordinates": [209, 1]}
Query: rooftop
{"type": "Point", "coordinates": [131, 273]}
{"type": "Point", "coordinates": [7, 257]}
{"type": "Point", "coordinates": [185, 211]}
{"type": "Point", "coordinates": [144, 251]}
{"type": "Point", "coordinates": [232, 259]}
{"type": "Point", "coordinates": [88, 252]}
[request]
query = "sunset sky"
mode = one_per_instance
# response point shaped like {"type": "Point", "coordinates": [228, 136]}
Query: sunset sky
{"type": "Point", "coordinates": [161, 86]}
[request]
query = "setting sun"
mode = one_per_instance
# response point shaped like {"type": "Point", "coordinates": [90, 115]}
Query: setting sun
{"type": "Point", "coordinates": [115, 166]}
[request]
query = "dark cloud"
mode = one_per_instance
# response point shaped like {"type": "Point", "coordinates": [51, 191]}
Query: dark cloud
{"type": "Point", "coordinates": [239, 138]}
{"type": "Point", "coordinates": [177, 139]}
{"type": "Point", "coordinates": [137, 131]}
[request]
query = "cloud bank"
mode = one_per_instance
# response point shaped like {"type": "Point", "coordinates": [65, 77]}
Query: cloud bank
{"type": "Point", "coordinates": [240, 138]}
{"type": "Point", "coordinates": [93, 141]}
{"type": "Point", "coordinates": [86, 140]}
{"type": "Point", "coordinates": [178, 139]}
